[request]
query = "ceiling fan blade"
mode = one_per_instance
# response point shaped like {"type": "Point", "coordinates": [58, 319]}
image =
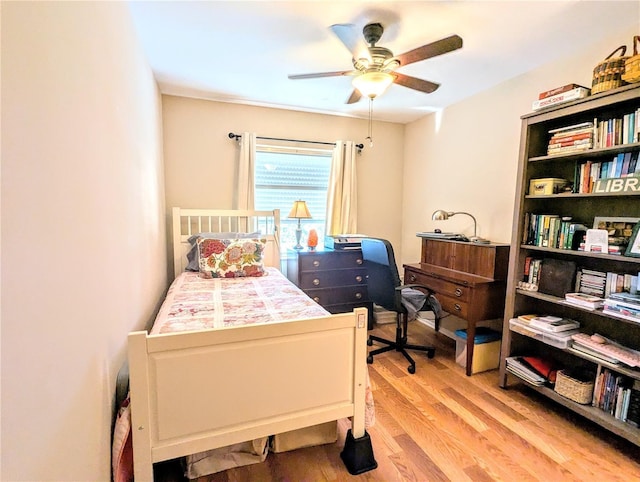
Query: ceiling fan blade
{"type": "Point", "coordinates": [323, 74]}
{"type": "Point", "coordinates": [352, 39]}
{"type": "Point", "coordinates": [415, 83]}
{"type": "Point", "coordinates": [354, 97]}
{"type": "Point", "coordinates": [430, 50]}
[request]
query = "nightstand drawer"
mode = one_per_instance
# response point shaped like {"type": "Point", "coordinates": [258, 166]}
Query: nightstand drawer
{"type": "Point", "coordinates": [332, 296]}
{"type": "Point", "coordinates": [332, 278]}
{"type": "Point", "coordinates": [440, 286]}
{"type": "Point", "coordinates": [322, 261]}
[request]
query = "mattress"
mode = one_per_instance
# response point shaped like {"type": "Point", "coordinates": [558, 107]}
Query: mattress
{"type": "Point", "coordinates": [195, 303]}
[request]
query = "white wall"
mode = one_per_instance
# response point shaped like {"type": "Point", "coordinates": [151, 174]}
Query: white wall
{"type": "Point", "coordinates": [465, 158]}
{"type": "Point", "coordinates": [200, 158]}
{"type": "Point", "coordinates": [83, 229]}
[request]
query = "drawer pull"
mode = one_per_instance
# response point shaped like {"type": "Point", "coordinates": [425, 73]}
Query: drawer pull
{"type": "Point", "coordinates": [316, 263]}
{"type": "Point", "coordinates": [412, 278]}
{"type": "Point", "coordinates": [457, 307]}
{"type": "Point", "coordinates": [359, 279]}
{"type": "Point", "coordinates": [358, 261]}
{"type": "Point", "coordinates": [316, 282]}
{"type": "Point", "coordinates": [358, 296]}
{"type": "Point", "coordinates": [458, 292]}
{"type": "Point", "coordinates": [316, 299]}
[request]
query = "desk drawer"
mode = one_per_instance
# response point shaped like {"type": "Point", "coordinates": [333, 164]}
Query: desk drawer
{"type": "Point", "coordinates": [332, 278]}
{"type": "Point", "coordinates": [453, 305]}
{"type": "Point", "coordinates": [322, 261]}
{"type": "Point", "coordinates": [333, 296]}
{"type": "Point", "coordinates": [458, 292]}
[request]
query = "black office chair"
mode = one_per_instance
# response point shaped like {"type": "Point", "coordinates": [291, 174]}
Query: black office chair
{"type": "Point", "coordinates": [385, 289]}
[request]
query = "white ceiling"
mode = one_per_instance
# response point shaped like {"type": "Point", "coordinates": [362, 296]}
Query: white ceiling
{"type": "Point", "coordinates": [242, 51]}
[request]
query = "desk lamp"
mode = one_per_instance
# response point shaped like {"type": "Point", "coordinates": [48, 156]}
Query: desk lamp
{"type": "Point", "coordinates": [441, 215]}
{"type": "Point", "coordinates": [299, 211]}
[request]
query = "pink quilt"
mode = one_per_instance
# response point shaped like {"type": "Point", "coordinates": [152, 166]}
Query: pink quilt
{"type": "Point", "coordinates": [195, 303]}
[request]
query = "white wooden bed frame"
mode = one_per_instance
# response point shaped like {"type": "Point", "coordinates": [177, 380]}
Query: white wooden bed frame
{"type": "Point", "coordinates": [262, 379]}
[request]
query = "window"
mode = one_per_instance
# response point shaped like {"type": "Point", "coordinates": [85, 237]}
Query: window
{"type": "Point", "coordinates": [283, 176]}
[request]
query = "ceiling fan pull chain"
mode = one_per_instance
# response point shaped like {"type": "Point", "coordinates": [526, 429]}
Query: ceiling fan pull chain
{"type": "Point", "coordinates": [370, 137]}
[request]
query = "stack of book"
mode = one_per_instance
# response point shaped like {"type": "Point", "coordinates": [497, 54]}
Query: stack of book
{"type": "Point", "coordinates": [623, 305]}
{"type": "Point", "coordinates": [574, 138]}
{"type": "Point", "coordinates": [560, 95]}
{"type": "Point", "coordinates": [533, 370]}
{"type": "Point", "coordinates": [553, 324]}
{"type": "Point", "coordinates": [553, 331]}
{"type": "Point", "coordinates": [584, 300]}
{"type": "Point", "coordinates": [591, 282]}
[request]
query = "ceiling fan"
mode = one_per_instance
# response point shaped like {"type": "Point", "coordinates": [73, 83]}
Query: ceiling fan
{"type": "Point", "coordinates": [375, 66]}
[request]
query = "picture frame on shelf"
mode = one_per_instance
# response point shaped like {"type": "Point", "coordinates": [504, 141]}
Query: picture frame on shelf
{"type": "Point", "coordinates": [633, 248]}
{"type": "Point", "coordinates": [619, 231]}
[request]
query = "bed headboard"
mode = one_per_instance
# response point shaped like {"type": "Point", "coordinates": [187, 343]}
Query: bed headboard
{"type": "Point", "coordinates": [187, 222]}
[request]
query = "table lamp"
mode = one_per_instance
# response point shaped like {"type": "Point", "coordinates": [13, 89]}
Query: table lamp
{"type": "Point", "coordinates": [299, 211]}
{"type": "Point", "coordinates": [441, 215]}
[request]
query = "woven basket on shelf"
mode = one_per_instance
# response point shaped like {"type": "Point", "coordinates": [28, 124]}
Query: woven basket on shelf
{"type": "Point", "coordinates": [608, 73]}
{"type": "Point", "coordinates": [579, 391]}
{"type": "Point", "coordinates": [632, 64]}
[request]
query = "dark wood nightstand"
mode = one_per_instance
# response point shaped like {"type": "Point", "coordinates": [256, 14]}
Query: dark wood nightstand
{"type": "Point", "coordinates": [335, 279]}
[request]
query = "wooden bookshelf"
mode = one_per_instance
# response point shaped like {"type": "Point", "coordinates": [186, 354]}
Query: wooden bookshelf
{"type": "Point", "coordinates": [534, 163]}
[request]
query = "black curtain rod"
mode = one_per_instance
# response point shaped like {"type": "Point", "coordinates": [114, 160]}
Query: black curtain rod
{"type": "Point", "coordinates": [238, 136]}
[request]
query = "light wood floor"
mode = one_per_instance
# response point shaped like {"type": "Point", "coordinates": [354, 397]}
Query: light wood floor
{"type": "Point", "coordinates": [439, 425]}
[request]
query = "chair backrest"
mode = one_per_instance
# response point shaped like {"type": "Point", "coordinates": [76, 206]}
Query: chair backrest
{"type": "Point", "coordinates": [382, 273]}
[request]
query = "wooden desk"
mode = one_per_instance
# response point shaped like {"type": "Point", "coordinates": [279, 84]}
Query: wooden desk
{"type": "Point", "coordinates": [469, 280]}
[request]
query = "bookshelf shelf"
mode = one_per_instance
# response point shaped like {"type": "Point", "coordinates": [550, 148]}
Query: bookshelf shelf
{"type": "Point", "coordinates": [582, 195]}
{"type": "Point", "coordinates": [588, 154]}
{"type": "Point", "coordinates": [581, 254]}
{"type": "Point", "coordinates": [560, 301]}
{"type": "Point", "coordinates": [582, 208]}
{"type": "Point", "coordinates": [596, 415]}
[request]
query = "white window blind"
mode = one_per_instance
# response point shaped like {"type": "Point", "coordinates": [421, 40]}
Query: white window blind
{"type": "Point", "coordinates": [282, 177]}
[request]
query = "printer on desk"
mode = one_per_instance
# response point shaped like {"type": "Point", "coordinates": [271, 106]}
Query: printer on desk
{"type": "Point", "coordinates": [343, 241]}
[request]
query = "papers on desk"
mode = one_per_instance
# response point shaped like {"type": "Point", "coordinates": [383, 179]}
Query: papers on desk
{"type": "Point", "coordinates": [432, 234]}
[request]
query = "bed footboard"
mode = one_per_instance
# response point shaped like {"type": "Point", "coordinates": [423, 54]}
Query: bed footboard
{"type": "Point", "coordinates": [196, 391]}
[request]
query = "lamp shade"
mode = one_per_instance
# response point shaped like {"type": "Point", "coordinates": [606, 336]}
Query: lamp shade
{"type": "Point", "coordinates": [372, 84]}
{"type": "Point", "coordinates": [440, 215]}
{"type": "Point", "coordinates": [300, 210]}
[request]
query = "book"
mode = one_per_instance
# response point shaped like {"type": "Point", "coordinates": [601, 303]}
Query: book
{"type": "Point", "coordinates": [584, 300]}
{"type": "Point", "coordinates": [626, 297]}
{"type": "Point", "coordinates": [572, 127]}
{"type": "Point", "coordinates": [556, 277]}
{"type": "Point", "coordinates": [542, 367]}
{"type": "Point", "coordinates": [554, 324]}
{"type": "Point", "coordinates": [597, 241]}
{"type": "Point", "coordinates": [573, 94]}
{"type": "Point", "coordinates": [559, 90]}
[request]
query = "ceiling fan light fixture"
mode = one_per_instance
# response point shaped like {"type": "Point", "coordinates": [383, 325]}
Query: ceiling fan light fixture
{"type": "Point", "coordinates": [372, 84]}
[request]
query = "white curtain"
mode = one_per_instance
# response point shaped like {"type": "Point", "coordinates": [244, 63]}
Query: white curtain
{"type": "Point", "coordinates": [245, 182]}
{"type": "Point", "coordinates": [342, 204]}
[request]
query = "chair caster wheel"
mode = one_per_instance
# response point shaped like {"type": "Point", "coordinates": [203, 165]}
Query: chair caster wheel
{"type": "Point", "coordinates": [431, 354]}
{"type": "Point", "coordinates": [370, 359]}
{"type": "Point", "coordinates": [411, 369]}
{"type": "Point", "coordinates": [369, 342]}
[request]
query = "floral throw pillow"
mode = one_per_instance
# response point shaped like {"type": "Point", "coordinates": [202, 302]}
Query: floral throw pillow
{"type": "Point", "coordinates": [230, 258]}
